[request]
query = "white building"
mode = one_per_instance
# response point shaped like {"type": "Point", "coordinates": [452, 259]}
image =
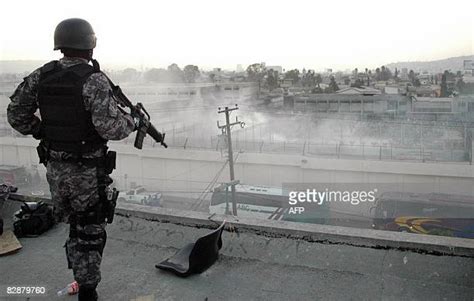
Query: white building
{"type": "Point", "coordinates": [276, 68]}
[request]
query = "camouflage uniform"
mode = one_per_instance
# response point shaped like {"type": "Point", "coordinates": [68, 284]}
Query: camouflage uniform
{"type": "Point", "coordinates": [74, 187]}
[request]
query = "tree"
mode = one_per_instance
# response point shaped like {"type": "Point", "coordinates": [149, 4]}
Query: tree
{"type": "Point", "coordinates": [450, 76]}
{"type": "Point", "coordinates": [212, 77]}
{"type": "Point", "coordinates": [417, 83]}
{"type": "Point", "coordinates": [358, 83]}
{"type": "Point", "coordinates": [445, 90]}
{"type": "Point", "coordinates": [309, 79]}
{"type": "Point", "coordinates": [156, 75]}
{"type": "Point", "coordinates": [318, 79]}
{"type": "Point", "coordinates": [175, 74]}
{"type": "Point", "coordinates": [256, 73]}
{"type": "Point", "coordinates": [444, 84]}
{"type": "Point", "coordinates": [385, 73]}
{"type": "Point", "coordinates": [294, 75]}
{"type": "Point", "coordinates": [333, 87]}
{"type": "Point", "coordinates": [412, 76]}
{"type": "Point", "coordinates": [191, 73]}
{"type": "Point", "coordinates": [347, 80]}
{"type": "Point", "coordinates": [377, 74]}
{"type": "Point", "coordinates": [271, 81]}
{"type": "Point", "coordinates": [355, 72]}
{"type": "Point", "coordinates": [460, 84]}
{"type": "Point", "coordinates": [129, 74]}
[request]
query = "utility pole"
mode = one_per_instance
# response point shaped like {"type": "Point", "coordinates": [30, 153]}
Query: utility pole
{"type": "Point", "coordinates": [226, 129]}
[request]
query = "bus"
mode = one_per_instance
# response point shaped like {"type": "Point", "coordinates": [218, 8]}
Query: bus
{"type": "Point", "coordinates": [425, 213]}
{"type": "Point", "coordinates": [264, 203]}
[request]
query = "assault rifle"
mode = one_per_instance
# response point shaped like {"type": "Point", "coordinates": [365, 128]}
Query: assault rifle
{"type": "Point", "coordinates": [145, 126]}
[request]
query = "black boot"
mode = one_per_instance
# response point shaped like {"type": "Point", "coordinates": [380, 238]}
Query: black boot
{"type": "Point", "coordinates": [87, 293]}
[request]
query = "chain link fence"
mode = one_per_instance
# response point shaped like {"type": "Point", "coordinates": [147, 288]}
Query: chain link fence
{"type": "Point", "coordinates": [373, 151]}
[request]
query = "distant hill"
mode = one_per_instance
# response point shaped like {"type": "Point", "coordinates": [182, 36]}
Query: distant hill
{"type": "Point", "coordinates": [23, 66]}
{"type": "Point", "coordinates": [453, 63]}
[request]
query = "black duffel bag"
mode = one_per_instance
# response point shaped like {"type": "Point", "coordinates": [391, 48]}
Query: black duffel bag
{"type": "Point", "coordinates": [33, 219]}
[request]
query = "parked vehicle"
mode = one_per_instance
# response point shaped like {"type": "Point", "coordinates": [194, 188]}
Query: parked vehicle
{"type": "Point", "coordinates": [17, 176]}
{"type": "Point", "coordinates": [139, 195]}
{"type": "Point", "coordinates": [264, 203]}
{"type": "Point", "coordinates": [425, 213]}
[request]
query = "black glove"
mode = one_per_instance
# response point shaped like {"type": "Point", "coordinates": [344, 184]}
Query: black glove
{"type": "Point", "coordinates": [137, 122]}
{"type": "Point", "coordinates": [38, 130]}
{"type": "Point", "coordinates": [136, 119]}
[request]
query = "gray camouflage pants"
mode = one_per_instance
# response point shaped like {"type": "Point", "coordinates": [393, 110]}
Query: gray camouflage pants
{"type": "Point", "coordinates": [74, 189]}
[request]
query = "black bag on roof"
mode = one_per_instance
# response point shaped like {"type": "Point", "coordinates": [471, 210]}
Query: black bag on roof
{"type": "Point", "coordinates": [33, 219]}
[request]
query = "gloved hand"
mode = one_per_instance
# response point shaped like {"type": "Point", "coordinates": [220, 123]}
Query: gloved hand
{"type": "Point", "coordinates": [136, 119]}
{"type": "Point", "coordinates": [38, 132]}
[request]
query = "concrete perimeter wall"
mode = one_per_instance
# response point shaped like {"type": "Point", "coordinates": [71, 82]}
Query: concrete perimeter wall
{"type": "Point", "coordinates": [188, 172]}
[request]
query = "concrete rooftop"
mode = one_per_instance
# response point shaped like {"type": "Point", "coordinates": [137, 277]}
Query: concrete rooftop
{"type": "Point", "coordinates": [254, 265]}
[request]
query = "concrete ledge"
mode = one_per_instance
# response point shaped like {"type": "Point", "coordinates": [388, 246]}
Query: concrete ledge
{"type": "Point", "coordinates": [377, 239]}
{"type": "Point", "coordinates": [428, 244]}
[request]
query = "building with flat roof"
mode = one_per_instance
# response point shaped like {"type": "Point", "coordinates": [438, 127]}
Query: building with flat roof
{"type": "Point", "coordinates": [359, 91]}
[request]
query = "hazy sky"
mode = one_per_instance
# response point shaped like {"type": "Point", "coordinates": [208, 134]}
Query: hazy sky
{"type": "Point", "coordinates": [295, 34]}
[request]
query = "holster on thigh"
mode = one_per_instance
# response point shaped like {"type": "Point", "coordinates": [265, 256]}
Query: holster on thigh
{"type": "Point", "coordinates": [87, 242]}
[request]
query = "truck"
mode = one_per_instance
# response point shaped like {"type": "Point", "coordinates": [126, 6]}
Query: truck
{"type": "Point", "coordinates": [139, 195]}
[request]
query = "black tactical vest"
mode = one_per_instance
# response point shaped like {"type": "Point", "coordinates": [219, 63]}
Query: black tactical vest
{"type": "Point", "coordinates": [65, 123]}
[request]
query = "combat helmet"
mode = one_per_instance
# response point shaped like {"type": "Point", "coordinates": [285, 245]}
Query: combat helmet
{"type": "Point", "coordinates": [74, 33]}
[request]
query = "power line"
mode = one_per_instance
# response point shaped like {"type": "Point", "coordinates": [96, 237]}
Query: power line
{"type": "Point", "coordinates": [200, 199]}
